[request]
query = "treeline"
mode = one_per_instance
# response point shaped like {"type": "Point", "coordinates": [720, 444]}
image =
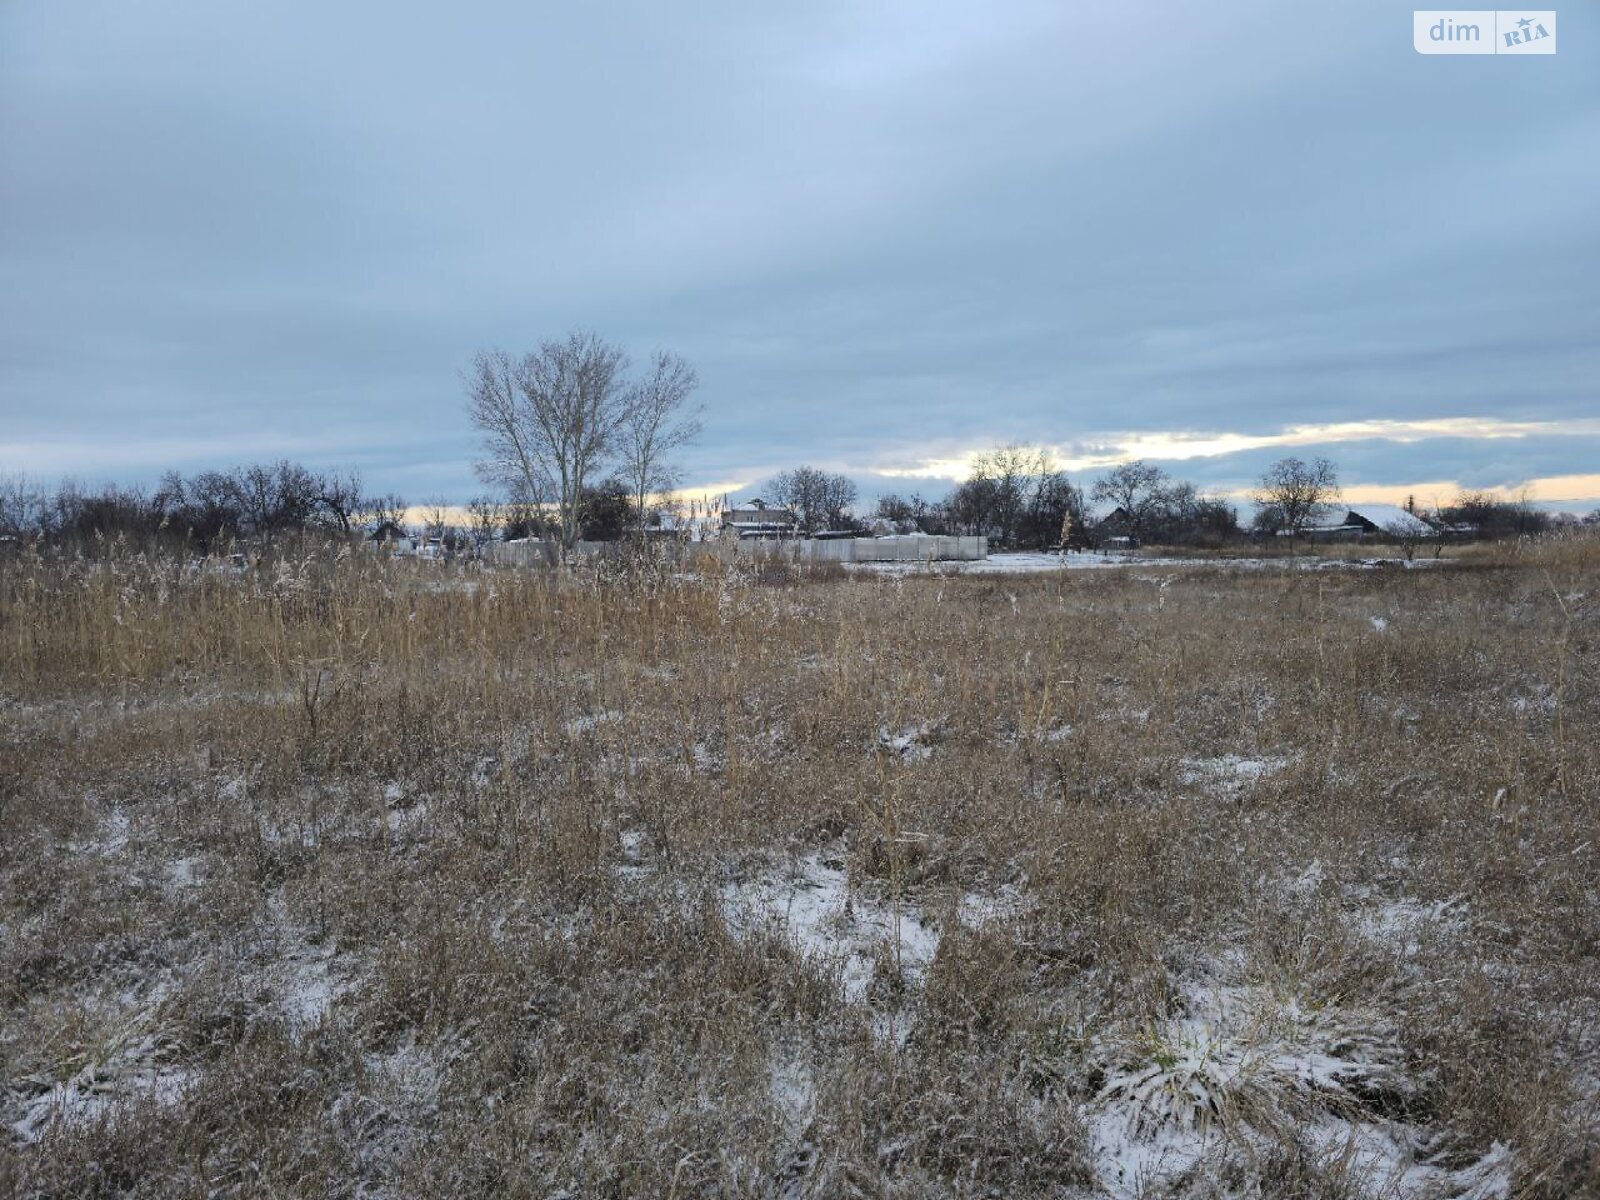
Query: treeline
{"type": "Point", "coordinates": [1018, 498]}
{"type": "Point", "coordinates": [209, 510]}
{"type": "Point", "coordinates": [204, 509]}
{"type": "Point", "coordinates": [606, 512]}
{"type": "Point", "coordinates": [1488, 516]}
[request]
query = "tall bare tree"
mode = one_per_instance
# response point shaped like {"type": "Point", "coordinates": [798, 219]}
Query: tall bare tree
{"type": "Point", "coordinates": [1293, 492]}
{"type": "Point", "coordinates": [548, 420]}
{"type": "Point", "coordinates": [659, 420]}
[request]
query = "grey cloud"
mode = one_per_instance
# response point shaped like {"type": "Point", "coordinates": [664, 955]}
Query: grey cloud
{"type": "Point", "coordinates": [880, 232]}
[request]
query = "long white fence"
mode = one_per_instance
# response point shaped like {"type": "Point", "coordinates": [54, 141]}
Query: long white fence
{"type": "Point", "coordinates": [893, 549]}
{"type": "Point", "coordinates": [534, 553]}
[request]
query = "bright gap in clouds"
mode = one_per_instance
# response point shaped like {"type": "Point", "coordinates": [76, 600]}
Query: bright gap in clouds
{"type": "Point", "coordinates": [1108, 450]}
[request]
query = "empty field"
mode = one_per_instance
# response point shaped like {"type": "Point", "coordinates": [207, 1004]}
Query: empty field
{"type": "Point", "coordinates": [335, 877]}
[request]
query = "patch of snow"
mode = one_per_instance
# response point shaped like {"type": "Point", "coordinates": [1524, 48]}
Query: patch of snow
{"type": "Point", "coordinates": [1034, 562]}
{"type": "Point", "coordinates": [110, 839]}
{"type": "Point", "coordinates": [411, 1074]}
{"type": "Point", "coordinates": [1402, 924]}
{"type": "Point", "coordinates": [911, 744]}
{"type": "Point", "coordinates": [1242, 1060]}
{"type": "Point", "coordinates": [1232, 772]}
{"type": "Point", "coordinates": [813, 906]}
{"type": "Point", "coordinates": [589, 722]}
{"type": "Point", "coordinates": [305, 991]}
{"type": "Point", "coordinates": [1309, 880]}
{"type": "Point", "coordinates": [633, 843]}
{"type": "Point", "coordinates": [706, 759]}
{"type": "Point", "coordinates": [793, 1090]}
{"type": "Point", "coordinates": [102, 1089]}
{"type": "Point", "coordinates": [1005, 903]}
{"type": "Point", "coordinates": [1542, 701]}
{"type": "Point", "coordinates": [401, 821]}
{"type": "Point", "coordinates": [1380, 623]}
{"type": "Point", "coordinates": [184, 872]}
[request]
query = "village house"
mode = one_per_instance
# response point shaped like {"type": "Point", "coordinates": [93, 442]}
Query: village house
{"type": "Point", "coordinates": [1359, 521]}
{"type": "Point", "coordinates": [755, 519]}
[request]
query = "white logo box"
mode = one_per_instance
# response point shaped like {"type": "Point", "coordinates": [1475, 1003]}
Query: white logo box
{"type": "Point", "coordinates": [1484, 31]}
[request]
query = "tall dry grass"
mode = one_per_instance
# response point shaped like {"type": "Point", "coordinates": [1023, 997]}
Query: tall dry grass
{"type": "Point", "coordinates": [360, 877]}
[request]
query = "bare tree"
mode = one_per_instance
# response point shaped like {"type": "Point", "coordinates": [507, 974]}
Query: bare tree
{"type": "Point", "coordinates": [388, 510]}
{"type": "Point", "coordinates": [819, 499]}
{"type": "Point", "coordinates": [1015, 495]}
{"type": "Point", "coordinates": [485, 518]}
{"type": "Point", "coordinates": [908, 514]}
{"type": "Point", "coordinates": [658, 421]}
{"type": "Point", "coordinates": [339, 497]}
{"type": "Point", "coordinates": [23, 508]}
{"type": "Point", "coordinates": [1407, 535]}
{"type": "Point", "coordinates": [1295, 492]}
{"type": "Point", "coordinates": [1141, 490]}
{"type": "Point", "coordinates": [436, 519]}
{"type": "Point", "coordinates": [548, 421]}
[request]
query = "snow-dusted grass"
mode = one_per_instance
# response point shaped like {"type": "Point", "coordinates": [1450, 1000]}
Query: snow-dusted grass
{"type": "Point", "coordinates": [337, 878]}
{"type": "Point", "coordinates": [862, 938]}
{"type": "Point", "coordinates": [1240, 1069]}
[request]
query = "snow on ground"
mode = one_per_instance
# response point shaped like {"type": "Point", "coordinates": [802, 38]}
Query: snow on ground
{"type": "Point", "coordinates": [1241, 1062]}
{"type": "Point", "coordinates": [304, 977]}
{"type": "Point", "coordinates": [121, 1066]}
{"type": "Point", "coordinates": [913, 743]}
{"type": "Point", "coordinates": [1404, 924]}
{"type": "Point", "coordinates": [589, 722]}
{"type": "Point", "coordinates": [853, 930]}
{"type": "Point", "coordinates": [1016, 563]}
{"type": "Point", "coordinates": [305, 989]}
{"type": "Point", "coordinates": [1230, 774]}
{"type": "Point", "coordinates": [1005, 903]}
{"type": "Point", "coordinates": [1029, 562]}
{"type": "Point", "coordinates": [812, 904]}
{"type": "Point", "coordinates": [633, 842]}
{"type": "Point", "coordinates": [185, 872]}
{"type": "Point", "coordinates": [127, 1075]}
{"type": "Point", "coordinates": [110, 839]}
{"type": "Point", "coordinates": [793, 1090]}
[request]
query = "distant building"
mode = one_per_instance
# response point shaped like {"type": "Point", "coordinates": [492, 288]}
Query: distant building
{"type": "Point", "coordinates": [1110, 528]}
{"type": "Point", "coordinates": [391, 536]}
{"type": "Point", "coordinates": [755, 519]}
{"type": "Point", "coordinates": [1363, 520]}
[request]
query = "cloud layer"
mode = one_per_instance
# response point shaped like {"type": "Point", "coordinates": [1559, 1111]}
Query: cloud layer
{"type": "Point", "coordinates": [886, 235]}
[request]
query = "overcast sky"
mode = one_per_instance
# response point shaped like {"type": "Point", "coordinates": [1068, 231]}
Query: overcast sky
{"type": "Point", "coordinates": [887, 234]}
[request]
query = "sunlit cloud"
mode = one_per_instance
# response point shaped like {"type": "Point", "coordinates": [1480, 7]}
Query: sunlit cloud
{"type": "Point", "coordinates": [1108, 450]}
{"type": "Point", "coordinates": [1558, 491]}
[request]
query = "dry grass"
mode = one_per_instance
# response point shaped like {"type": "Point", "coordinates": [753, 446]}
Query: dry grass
{"type": "Point", "coordinates": [335, 877]}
